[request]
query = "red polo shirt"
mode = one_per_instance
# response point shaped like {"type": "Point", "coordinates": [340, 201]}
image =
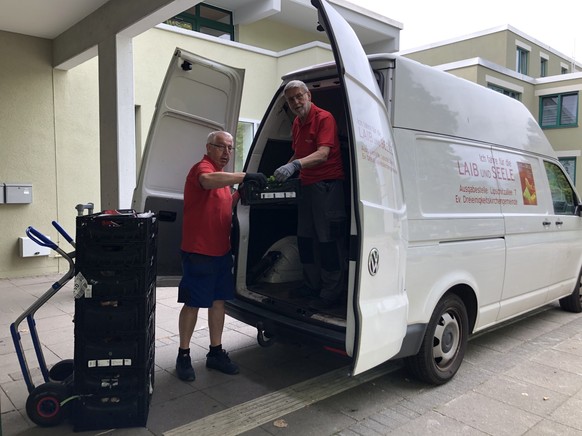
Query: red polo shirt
{"type": "Point", "coordinates": [207, 214]}
{"type": "Point", "coordinates": [319, 129]}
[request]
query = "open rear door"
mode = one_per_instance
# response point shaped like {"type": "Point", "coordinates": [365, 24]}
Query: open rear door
{"type": "Point", "coordinates": [377, 313]}
{"type": "Point", "coordinates": [198, 96]}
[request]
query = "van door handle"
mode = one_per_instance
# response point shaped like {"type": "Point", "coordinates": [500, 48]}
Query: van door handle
{"type": "Point", "coordinates": [547, 223]}
{"type": "Point", "coordinates": [559, 223]}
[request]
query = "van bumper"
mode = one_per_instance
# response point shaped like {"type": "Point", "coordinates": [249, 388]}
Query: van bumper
{"type": "Point", "coordinates": [283, 328]}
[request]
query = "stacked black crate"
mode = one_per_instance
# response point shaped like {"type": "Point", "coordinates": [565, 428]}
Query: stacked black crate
{"type": "Point", "coordinates": [115, 290]}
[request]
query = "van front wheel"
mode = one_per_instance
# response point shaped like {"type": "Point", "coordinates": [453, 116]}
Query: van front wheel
{"type": "Point", "coordinates": [444, 343]}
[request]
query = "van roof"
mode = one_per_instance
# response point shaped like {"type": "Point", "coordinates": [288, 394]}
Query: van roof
{"type": "Point", "coordinates": [428, 99]}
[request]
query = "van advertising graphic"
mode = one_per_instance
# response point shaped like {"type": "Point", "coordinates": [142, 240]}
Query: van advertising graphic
{"type": "Point", "coordinates": [489, 170]}
{"type": "Point", "coordinates": [528, 187]}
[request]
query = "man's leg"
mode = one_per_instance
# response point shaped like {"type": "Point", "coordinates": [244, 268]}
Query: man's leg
{"type": "Point", "coordinates": [216, 322]}
{"type": "Point", "coordinates": [217, 358]}
{"type": "Point", "coordinates": [186, 324]}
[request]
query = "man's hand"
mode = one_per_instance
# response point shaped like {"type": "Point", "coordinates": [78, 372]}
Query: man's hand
{"type": "Point", "coordinates": [259, 178]}
{"type": "Point", "coordinates": [284, 172]}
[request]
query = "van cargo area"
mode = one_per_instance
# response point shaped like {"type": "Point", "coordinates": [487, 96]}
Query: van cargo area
{"type": "Point", "coordinates": [271, 263]}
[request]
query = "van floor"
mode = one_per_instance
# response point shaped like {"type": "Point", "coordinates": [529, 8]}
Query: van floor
{"type": "Point", "coordinates": [283, 293]}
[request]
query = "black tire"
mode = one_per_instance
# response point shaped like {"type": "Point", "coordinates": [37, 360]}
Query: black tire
{"type": "Point", "coordinates": [44, 404]}
{"type": "Point", "coordinates": [61, 370]}
{"type": "Point", "coordinates": [444, 343]}
{"type": "Point", "coordinates": [573, 302]}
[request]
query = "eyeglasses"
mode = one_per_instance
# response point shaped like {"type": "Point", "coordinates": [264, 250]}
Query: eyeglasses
{"type": "Point", "coordinates": [296, 97]}
{"type": "Point", "coordinates": [223, 148]}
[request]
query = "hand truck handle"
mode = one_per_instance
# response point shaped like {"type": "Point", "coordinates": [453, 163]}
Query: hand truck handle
{"type": "Point", "coordinates": [63, 232]}
{"type": "Point", "coordinates": [39, 238]}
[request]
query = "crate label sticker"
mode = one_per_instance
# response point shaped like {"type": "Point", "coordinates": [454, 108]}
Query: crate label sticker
{"type": "Point", "coordinates": [103, 362]}
{"type": "Point", "coordinates": [127, 362]}
{"type": "Point", "coordinates": [290, 194]}
{"type": "Point", "coordinates": [91, 363]}
{"type": "Point", "coordinates": [80, 285]}
{"type": "Point", "coordinates": [89, 291]}
{"type": "Point", "coordinates": [116, 362]}
{"type": "Point", "coordinates": [267, 195]}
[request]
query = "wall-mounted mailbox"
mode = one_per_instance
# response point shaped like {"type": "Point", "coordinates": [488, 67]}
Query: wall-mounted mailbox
{"type": "Point", "coordinates": [28, 248]}
{"type": "Point", "coordinates": [17, 193]}
{"type": "Point", "coordinates": [1, 193]}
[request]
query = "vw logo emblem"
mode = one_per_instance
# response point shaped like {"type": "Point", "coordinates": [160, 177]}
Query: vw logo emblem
{"type": "Point", "coordinates": [373, 261]}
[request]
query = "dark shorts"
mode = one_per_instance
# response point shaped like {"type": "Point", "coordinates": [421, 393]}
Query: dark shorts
{"type": "Point", "coordinates": [205, 279]}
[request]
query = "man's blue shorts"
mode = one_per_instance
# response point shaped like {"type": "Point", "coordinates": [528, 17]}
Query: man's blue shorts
{"type": "Point", "coordinates": [205, 279]}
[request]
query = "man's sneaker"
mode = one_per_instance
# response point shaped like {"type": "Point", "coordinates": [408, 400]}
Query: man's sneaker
{"type": "Point", "coordinates": [221, 362]}
{"type": "Point", "coordinates": [184, 368]}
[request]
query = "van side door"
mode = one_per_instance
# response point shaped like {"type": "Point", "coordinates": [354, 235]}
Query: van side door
{"type": "Point", "coordinates": [378, 306]}
{"type": "Point", "coordinates": [526, 207]}
{"type": "Point", "coordinates": [566, 227]}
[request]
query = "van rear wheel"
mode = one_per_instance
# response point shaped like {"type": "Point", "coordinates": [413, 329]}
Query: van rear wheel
{"type": "Point", "coordinates": [444, 343]}
{"type": "Point", "coordinates": [573, 302]}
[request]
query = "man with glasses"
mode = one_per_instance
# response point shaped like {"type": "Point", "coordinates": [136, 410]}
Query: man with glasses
{"type": "Point", "coordinates": [321, 222]}
{"type": "Point", "coordinates": [206, 257]}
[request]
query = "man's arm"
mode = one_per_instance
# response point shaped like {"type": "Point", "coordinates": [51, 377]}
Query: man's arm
{"type": "Point", "coordinates": [220, 179]}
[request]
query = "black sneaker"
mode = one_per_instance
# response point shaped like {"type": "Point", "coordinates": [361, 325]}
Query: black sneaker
{"type": "Point", "coordinates": [221, 362]}
{"type": "Point", "coordinates": [184, 368]}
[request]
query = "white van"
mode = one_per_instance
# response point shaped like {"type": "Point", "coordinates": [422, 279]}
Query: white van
{"type": "Point", "coordinates": [461, 216]}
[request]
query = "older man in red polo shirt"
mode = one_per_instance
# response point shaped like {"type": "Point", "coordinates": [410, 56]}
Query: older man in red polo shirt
{"type": "Point", "coordinates": [206, 256]}
{"type": "Point", "coordinates": [321, 212]}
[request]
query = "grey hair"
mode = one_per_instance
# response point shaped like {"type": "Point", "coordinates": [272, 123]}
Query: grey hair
{"type": "Point", "coordinates": [296, 84]}
{"type": "Point", "coordinates": [212, 136]}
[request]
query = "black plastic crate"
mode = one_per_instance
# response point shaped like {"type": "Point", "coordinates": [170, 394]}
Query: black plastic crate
{"type": "Point", "coordinates": [126, 227]}
{"type": "Point", "coordinates": [120, 315]}
{"type": "Point", "coordinates": [111, 254]}
{"type": "Point", "coordinates": [95, 351]}
{"type": "Point", "coordinates": [287, 192]}
{"type": "Point", "coordinates": [113, 282]}
{"type": "Point", "coordinates": [100, 412]}
{"type": "Point", "coordinates": [116, 380]}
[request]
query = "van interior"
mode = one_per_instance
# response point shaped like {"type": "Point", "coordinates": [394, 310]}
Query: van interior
{"type": "Point", "coordinates": [273, 270]}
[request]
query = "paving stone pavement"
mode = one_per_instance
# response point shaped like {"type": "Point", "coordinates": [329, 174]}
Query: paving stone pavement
{"type": "Point", "coordinates": [522, 379]}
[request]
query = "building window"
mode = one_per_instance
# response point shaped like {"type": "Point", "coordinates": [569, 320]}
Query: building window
{"type": "Point", "coordinates": [521, 60]}
{"type": "Point", "coordinates": [206, 19]}
{"type": "Point", "coordinates": [569, 164]}
{"type": "Point", "coordinates": [504, 91]}
{"type": "Point", "coordinates": [559, 110]}
{"type": "Point", "coordinates": [564, 70]}
{"type": "Point", "coordinates": [543, 67]}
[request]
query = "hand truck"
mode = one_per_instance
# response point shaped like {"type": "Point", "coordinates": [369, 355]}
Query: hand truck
{"type": "Point", "coordinates": [45, 405]}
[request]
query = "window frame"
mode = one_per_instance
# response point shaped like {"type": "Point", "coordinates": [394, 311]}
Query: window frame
{"type": "Point", "coordinates": [559, 110]}
{"type": "Point", "coordinates": [543, 67]}
{"type": "Point", "coordinates": [521, 60]}
{"type": "Point", "coordinates": [198, 22]}
{"type": "Point", "coordinates": [508, 92]}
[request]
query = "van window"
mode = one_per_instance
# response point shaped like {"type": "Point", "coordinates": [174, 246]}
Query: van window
{"type": "Point", "coordinates": [563, 196]}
